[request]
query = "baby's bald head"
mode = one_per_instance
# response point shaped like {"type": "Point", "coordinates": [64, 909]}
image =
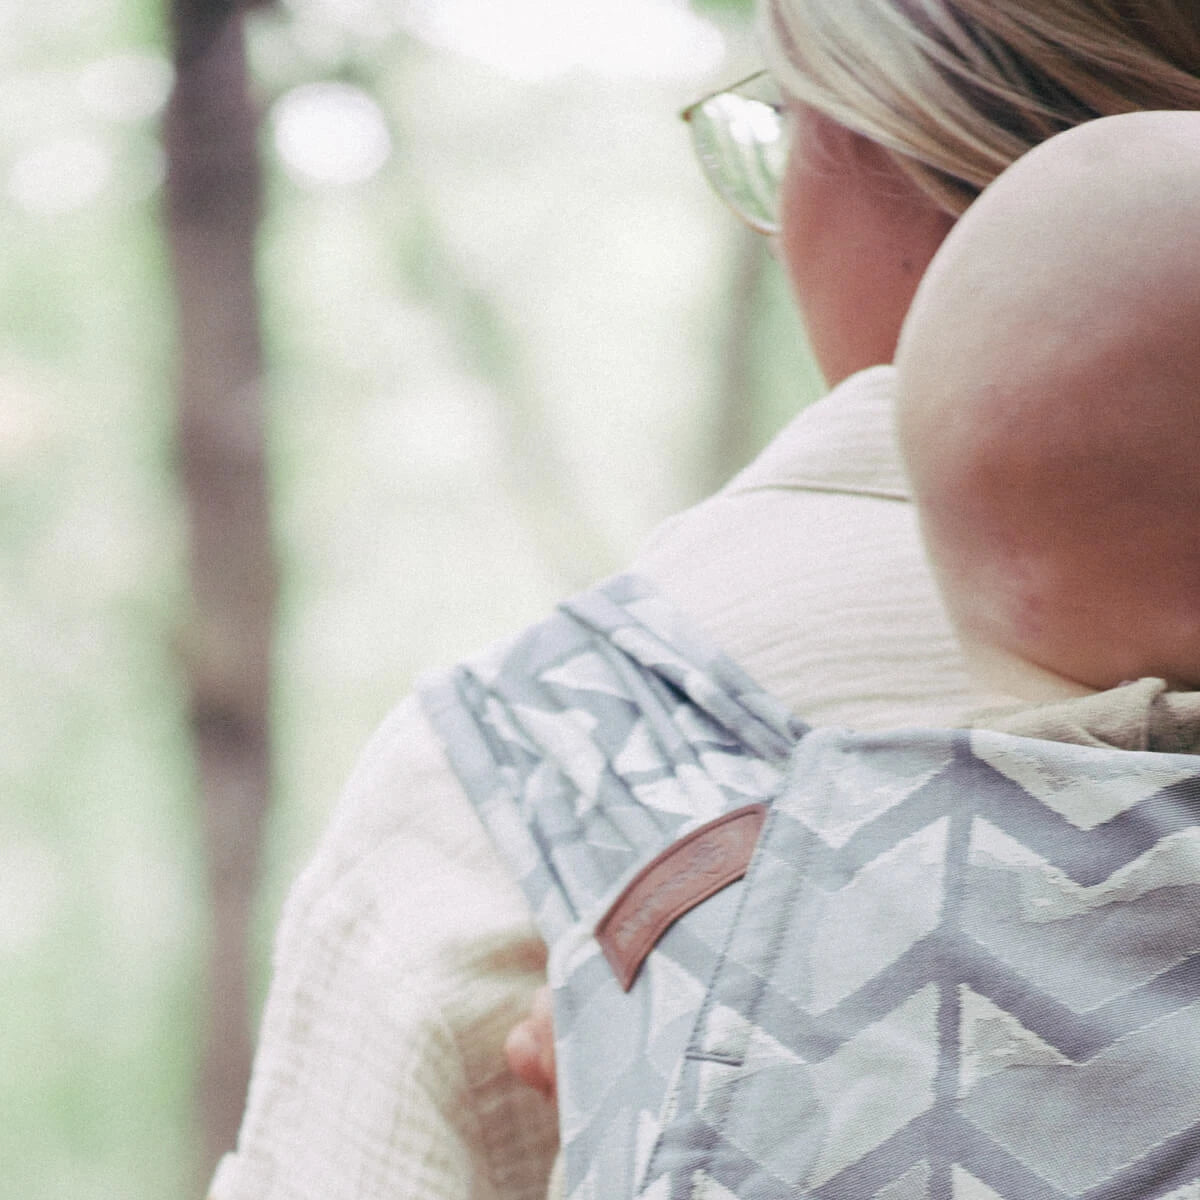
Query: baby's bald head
{"type": "Point", "coordinates": [1050, 405]}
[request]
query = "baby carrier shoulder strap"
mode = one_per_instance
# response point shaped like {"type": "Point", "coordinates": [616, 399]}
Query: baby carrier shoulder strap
{"type": "Point", "coordinates": [598, 737]}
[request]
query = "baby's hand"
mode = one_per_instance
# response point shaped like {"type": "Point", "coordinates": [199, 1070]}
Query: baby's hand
{"type": "Point", "coordinates": [529, 1046]}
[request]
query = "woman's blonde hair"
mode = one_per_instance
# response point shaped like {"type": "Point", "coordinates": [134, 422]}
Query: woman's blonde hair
{"type": "Point", "coordinates": [956, 90]}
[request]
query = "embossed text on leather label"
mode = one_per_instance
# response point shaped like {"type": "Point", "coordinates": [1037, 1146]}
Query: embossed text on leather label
{"type": "Point", "coordinates": [676, 880]}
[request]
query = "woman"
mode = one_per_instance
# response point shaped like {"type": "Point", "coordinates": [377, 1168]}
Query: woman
{"type": "Point", "coordinates": [406, 953]}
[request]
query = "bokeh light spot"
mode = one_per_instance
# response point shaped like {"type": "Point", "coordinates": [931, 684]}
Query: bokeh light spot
{"type": "Point", "coordinates": [60, 176]}
{"type": "Point", "coordinates": [131, 86]}
{"type": "Point", "coordinates": [330, 134]}
{"type": "Point", "coordinates": [532, 40]}
{"type": "Point", "coordinates": [30, 884]}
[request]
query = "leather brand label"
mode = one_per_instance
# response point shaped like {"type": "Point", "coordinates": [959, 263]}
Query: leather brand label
{"type": "Point", "coordinates": [674, 881]}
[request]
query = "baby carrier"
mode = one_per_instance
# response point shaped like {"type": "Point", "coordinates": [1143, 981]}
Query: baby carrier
{"type": "Point", "coordinates": [808, 962]}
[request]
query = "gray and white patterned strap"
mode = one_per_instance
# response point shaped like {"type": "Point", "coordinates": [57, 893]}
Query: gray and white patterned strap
{"type": "Point", "coordinates": [598, 736]}
{"type": "Point", "coordinates": [588, 744]}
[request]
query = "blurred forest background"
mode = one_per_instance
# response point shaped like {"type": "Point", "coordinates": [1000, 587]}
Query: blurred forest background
{"type": "Point", "coordinates": [369, 342]}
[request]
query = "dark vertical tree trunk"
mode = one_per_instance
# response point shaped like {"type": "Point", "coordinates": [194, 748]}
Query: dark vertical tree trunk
{"type": "Point", "coordinates": [213, 193]}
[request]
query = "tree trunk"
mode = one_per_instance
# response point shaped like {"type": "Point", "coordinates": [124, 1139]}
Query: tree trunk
{"type": "Point", "coordinates": [213, 193]}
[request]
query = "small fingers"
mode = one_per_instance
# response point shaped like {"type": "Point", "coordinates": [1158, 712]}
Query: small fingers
{"type": "Point", "coordinates": [529, 1046]}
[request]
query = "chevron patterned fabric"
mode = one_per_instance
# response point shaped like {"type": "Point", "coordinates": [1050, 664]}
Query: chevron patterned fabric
{"type": "Point", "coordinates": [962, 964]}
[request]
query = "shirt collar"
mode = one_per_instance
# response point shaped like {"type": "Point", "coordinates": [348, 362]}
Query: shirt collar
{"type": "Point", "coordinates": [845, 442]}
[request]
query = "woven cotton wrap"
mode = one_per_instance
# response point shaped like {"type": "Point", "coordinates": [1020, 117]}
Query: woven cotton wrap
{"type": "Point", "coordinates": [962, 964]}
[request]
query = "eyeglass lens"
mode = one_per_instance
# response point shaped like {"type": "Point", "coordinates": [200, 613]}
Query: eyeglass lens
{"type": "Point", "coordinates": [742, 145]}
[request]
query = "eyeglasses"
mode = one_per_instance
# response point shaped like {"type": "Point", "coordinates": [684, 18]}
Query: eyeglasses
{"type": "Point", "coordinates": [741, 138]}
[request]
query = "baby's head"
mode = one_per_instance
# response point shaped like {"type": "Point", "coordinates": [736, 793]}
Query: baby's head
{"type": "Point", "coordinates": [1050, 406]}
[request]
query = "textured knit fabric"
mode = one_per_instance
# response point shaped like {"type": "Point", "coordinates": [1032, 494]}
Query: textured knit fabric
{"type": "Point", "coordinates": [955, 960]}
{"type": "Point", "coordinates": [406, 951]}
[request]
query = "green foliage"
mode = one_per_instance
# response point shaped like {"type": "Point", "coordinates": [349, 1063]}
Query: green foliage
{"type": "Point", "coordinates": [739, 9]}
